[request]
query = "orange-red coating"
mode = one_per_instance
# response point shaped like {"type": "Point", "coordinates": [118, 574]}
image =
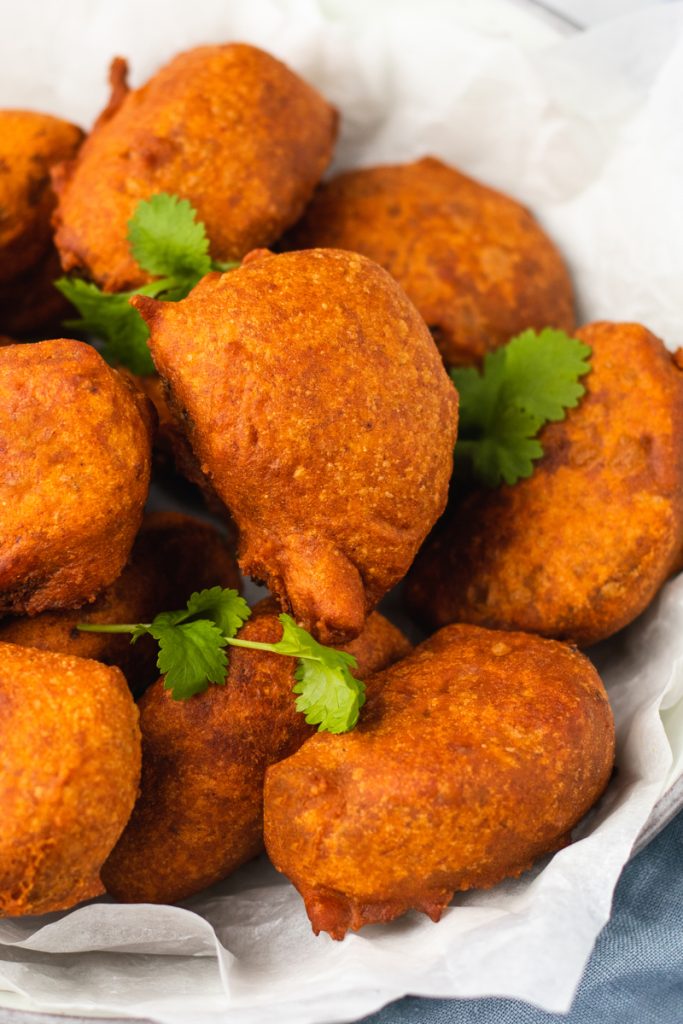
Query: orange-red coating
{"type": "Point", "coordinates": [580, 548]}
{"type": "Point", "coordinates": [170, 437]}
{"type": "Point", "coordinates": [69, 776]}
{"type": "Point", "coordinates": [477, 265]}
{"type": "Point", "coordinates": [75, 458]}
{"type": "Point", "coordinates": [30, 145]}
{"type": "Point", "coordinates": [318, 407]}
{"type": "Point", "coordinates": [172, 450]}
{"type": "Point", "coordinates": [229, 128]}
{"type": "Point", "coordinates": [475, 755]}
{"type": "Point", "coordinates": [30, 305]}
{"type": "Point", "coordinates": [173, 556]}
{"type": "Point", "coordinates": [200, 811]}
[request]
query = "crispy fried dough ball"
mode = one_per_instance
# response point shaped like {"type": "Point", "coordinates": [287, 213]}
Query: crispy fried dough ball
{"type": "Point", "coordinates": [170, 438]}
{"type": "Point", "coordinates": [474, 756]}
{"type": "Point", "coordinates": [319, 409]}
{"type": "Point", "coordinates": [228, 127]}
{"type": "Point", "coordinates": [30, 144]}
{"type": "Point", "coordinates": [173, 556]}
{"type": "Point", "coordinates": [30, 304]}
{"type": "Point", "coordinates": [74, 474]}
{"type": "Point", "coordinates": [580, 548]}
{"type": "Point", "coordinates": [200, 811]}
{"type": "Point", "coordinates": [476, 264]}
{"type": "Point", "coordinates": [69, 776]}
{"type": "Point", "coordinates": [172, 451]}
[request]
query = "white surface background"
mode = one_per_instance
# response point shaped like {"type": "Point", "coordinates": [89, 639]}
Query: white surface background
{"type": "Point", "coordinates": [587, 130]}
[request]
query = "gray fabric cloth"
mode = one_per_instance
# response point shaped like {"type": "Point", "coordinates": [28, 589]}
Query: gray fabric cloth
{"type": "Point", "coordinates": [635, 975]}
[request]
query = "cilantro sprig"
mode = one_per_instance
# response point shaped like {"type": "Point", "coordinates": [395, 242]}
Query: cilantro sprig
{"type": "Point", "coordinates": [170, 243]}
{"type": "Point", "coordinates": [525, 384]}
{"type": "Point", "coordinates": [192, 655]}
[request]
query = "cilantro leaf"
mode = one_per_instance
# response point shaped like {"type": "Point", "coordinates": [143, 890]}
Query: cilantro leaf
{"type": "Point", "coordinates": [329, 695]}
{"type": "Point", "coordinates": [109, 317]}
{"type": "Point", "coordinates": [167, 240]}
{"type": "Point", "coordinates": [492, 461]}
{"type": "Point", "coordinates": [225, 608]}
{"type": "Point", "coordinates": [191, 640]}
{"type": "Point", "coordinates": [543, 369]}
{"type": "Point", "coordinates": [530, 381]}
{"type": "Point", "coordinates": [190, 656]}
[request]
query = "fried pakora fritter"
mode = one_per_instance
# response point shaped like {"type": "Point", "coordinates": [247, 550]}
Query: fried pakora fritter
{"type": "Point", "coordinates": [474, 756]}
{"type": "Point", "coordinates": [172, 451]}
{"type": "Point", "coordinates": [173, 556]}
{"type": "Point", "coordinates": [170, 437]}
{"type": "Point", "coordinates": [74, 472]}
{"type": "Point", "coordinates": [69, 776]}
{"type": "Point", "coordinates": [30, 304]}
{"type": "Point", "coordinates": [476, 263]}
{"type": "Point", "coordinates": [229, 128]}
{"type": "Point", "coordinates": [30, 145]}
{"type": "Point", "coordinates": [318, 407]}
{"type": "Point", "coordinates": [580, 548]}
{"type": "Point", "coordinates": [200, 811]}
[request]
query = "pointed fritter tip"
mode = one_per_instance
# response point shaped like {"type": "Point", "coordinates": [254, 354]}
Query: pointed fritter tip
{"type": "Point", "coordinates": [149, 309]}
{"type": "Point", "coordinates": [255, 256]}
{"type": "Point", "coordinates": [118, 89]}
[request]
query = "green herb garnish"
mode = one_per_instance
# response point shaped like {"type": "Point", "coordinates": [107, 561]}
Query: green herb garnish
{"type": "Point", "coordinates": [192, 655]}
{"type": "Point", "coordinates": [525, 384]}
{"type": "Point", "coordinates": [169, 242]}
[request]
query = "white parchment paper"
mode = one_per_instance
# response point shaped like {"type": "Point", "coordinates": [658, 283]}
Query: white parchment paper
{"type": "Point", "coordinates": [586, 129]}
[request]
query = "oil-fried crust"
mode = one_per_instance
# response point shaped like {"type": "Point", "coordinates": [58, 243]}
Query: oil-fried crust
{"type": "Point", "coordinates": [476, 263]}
{"type": "Point", "coordinates": [68, 776]}
{"type": "Point", "coordinates": [228, 127]}
{"type": "Point", "coordinates": [476, 755]}
{"type": "Point", "coordinates": [580, 548]}
{"type": "Point", "coordinates": [172, 450]}
{"type": "Point", "coordinates": [200, 811]}
{"type": "Point", "coordinates": [173, 556]}
{"type": "Point", "coordinates": [30, 304]}
{"type": "Point", "coordinates": [75, 454]}
{"type": "Point", "coordinates": [30, 145]}
{"type": "Point", "coordinates": [318, 406]}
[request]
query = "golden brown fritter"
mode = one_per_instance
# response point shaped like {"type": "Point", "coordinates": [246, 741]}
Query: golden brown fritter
{"type": "Point", "coordinates": [172, 451]}
{"type": "Point", "coordinates": [228, 127]}
{"type": "Point", "coordinates": [170, 437]}
{"type": "Point", "coordinates": [30, 304]}
{"type": "Point", "coordinates": [173, 556]}
{"type": "Point", "coordinates": [476, 264]}
{"type": "Point", "coordinates": [317, 405]}
{"type": "Point", "coordinates": [69, 776]}
{"type": "Point", "coordinates": [200, 811]}
{"type": "Point", "coordinates": [74, 473]}
{"type": "Point", "coordinates": [30, 144]}
{"type": "Point", "coordinates": [476, 755]}
{"type": "Point", "coordinates": [580, 548]}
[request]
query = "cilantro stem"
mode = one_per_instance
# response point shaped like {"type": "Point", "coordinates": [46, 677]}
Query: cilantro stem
{"type": "Point", "coordinates": [273, 648]}
{"type": "Point", "coordinates": [96, 627]}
